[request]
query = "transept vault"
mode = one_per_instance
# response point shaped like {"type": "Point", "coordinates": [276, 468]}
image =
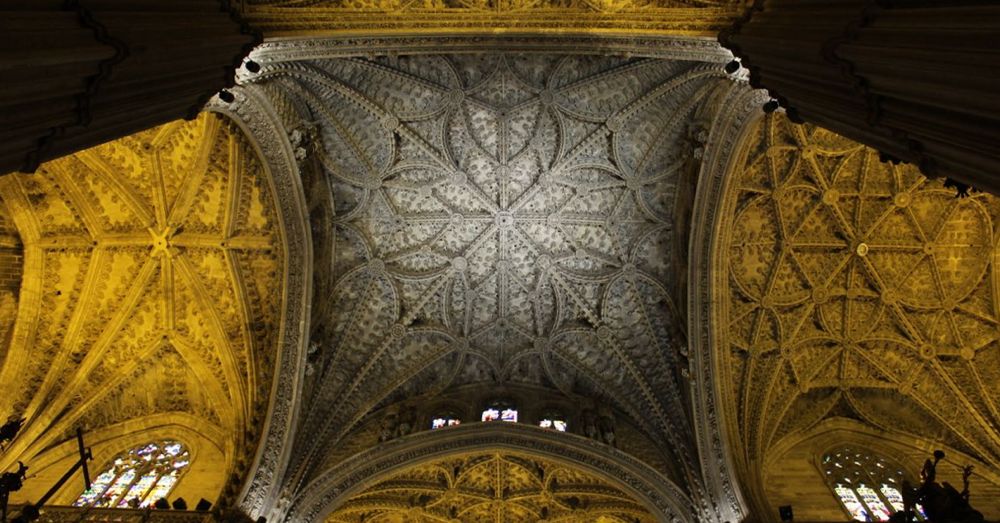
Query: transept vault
{"type": "Point", "coordinates": [150, 301]}
{"type": "Point", "coordinates": [326, 284]}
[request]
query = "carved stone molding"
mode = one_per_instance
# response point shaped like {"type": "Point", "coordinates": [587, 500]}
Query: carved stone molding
{"type": "Point", "coordinates": [281, 18]}
{"type": "Point", "coordinates": [253, 113]}
{"type": "Point", "coordinates": [690, 48]}
{"type": "Point", "coordinates": [742, 108]}
{"type": "Point", "coordinates": [333, 487]}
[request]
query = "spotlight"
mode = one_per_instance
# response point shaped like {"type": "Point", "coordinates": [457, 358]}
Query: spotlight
{"type": "Point", "coordinates": [203, 505]}
{"type": "Point", "coordinates": [252, 66]}
{"type": "Point", "coordinates": [771, 106]}
{"type": "Point", "coordinates": [732, 67]}
{"type": "Point", "coordinates": [226, 96]}
{"type": "Point", "coordinates": [180, 504]}
{"type": "Point", "coordinates": [162, 504]}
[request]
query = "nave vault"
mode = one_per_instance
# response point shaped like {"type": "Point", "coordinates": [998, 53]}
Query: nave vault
{"type": "Point", "coordinates": [297, 284]}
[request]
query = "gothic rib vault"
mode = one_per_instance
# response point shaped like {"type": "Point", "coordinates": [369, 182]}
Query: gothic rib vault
{"type": "Point", "coordinates": [857, 296]}
{"type": "Point", "coordinates": [497, 224]}
{"type": "Point", "coordinates": [492, 487]}
{"type": "Point", "coordinates": [149, 304]}
{"type": "Point", "coordinates": [495, 219]}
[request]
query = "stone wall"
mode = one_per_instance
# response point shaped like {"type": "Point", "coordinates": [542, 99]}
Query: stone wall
{"type": "Point", "coordinates": [11, 267]}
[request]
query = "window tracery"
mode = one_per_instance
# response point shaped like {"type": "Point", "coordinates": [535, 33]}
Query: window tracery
{"type": "Point", "coordinates": [140, 476]}
{"type": "Point", "coordinates": [866, 485]}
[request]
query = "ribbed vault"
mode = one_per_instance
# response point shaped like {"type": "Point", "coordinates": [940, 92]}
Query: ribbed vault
{"type": "Point", "coordinates": [151, 297]}
{"type": "Point", "coordinates": [852, 288]}
{"type": "Point", "coordinates": [496, 218]}
{"type": "Point", "coordinates": [491, 486]}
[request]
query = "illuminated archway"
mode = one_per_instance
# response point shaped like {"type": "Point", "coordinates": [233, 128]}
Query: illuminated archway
{"type": "Point", "coordinates": [624, 477]}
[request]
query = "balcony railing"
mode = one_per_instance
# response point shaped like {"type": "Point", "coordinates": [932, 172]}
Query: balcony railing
{"type": "Point", "coordinates": [63, 514]}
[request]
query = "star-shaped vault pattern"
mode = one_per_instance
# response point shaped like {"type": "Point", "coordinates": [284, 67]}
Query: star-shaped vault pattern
{"type": "Point", "coordinates": [498, 219]}
{"type": "Point", "coordinates": [856, 288]}
{"type": "Point", "coordinates": [151, 294]}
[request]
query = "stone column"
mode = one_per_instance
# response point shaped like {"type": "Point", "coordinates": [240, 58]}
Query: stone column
{"type": "Point", "coordinates": [76, 73]}
{"type": "Point", "coordinates": [916, 79]}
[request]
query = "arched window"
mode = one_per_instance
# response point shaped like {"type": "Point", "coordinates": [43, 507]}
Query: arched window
{"type": "Point", "coordinates": [144, 474]}
{"type": "Point", "coordinates": [553, 420]}
{"type": "Point", "coordinates": [865, 484]}
{"type": "Point", "coordinates": [500, 410]}
{"type": "Point", "coordinates": [445, 420]}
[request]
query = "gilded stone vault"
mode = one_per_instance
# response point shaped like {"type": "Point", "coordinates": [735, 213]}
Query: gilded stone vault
{"type": "Point", "coordinates": [854, 290]}
{"type": "Point", "coordinates": [149, 302]}
{"type": "Point", "coordinates": [316, 18]}
{"type": "Point", "coordinates": [492, 487]}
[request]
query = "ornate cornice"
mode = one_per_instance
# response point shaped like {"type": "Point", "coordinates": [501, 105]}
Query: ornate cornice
{"type": "Point", "coordinates": [381, 17]}
{"type": "Point", "coordinates": [660, 496]}
{"type": "Point", "coordinates": [254, 115]}
{"type": "Point", "coordinates": [699, 49]}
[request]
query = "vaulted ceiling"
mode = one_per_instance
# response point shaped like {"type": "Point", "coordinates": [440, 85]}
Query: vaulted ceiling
{"type": "Point", "coordinates": [854, 289]}
{"type": "Point", "coordinates": [497, 219]}
{"type": "Point", "coordinates": [150, 295]}
{"type": "Point", "coordinates": [491, 487]}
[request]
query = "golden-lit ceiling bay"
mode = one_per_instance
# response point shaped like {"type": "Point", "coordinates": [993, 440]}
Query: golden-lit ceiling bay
{"type": "Point", "coordinates": [150, 299]}
{"type": "Point", "coordinates": [491, 487]}
{"type": "Point", "coordinates": [857, 294]}
{"type": "Point", "coordinates": [324, 18]}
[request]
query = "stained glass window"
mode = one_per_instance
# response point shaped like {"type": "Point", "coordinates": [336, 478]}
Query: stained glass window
{"type": "Point", "coordinates": [491, 414]}
{"type": "Point", "coordinates": [143, 474]}
{"type": "Point", "coordinates": [867, 486]}
{"type": "Point", "coordinates": [509, 415]}
{"type": "Point", "coordinates": [500, 410]}
{"type": "Point", "coordinates": [445, 421]}
{"type": "Point", "coordinates": [553, 423]}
